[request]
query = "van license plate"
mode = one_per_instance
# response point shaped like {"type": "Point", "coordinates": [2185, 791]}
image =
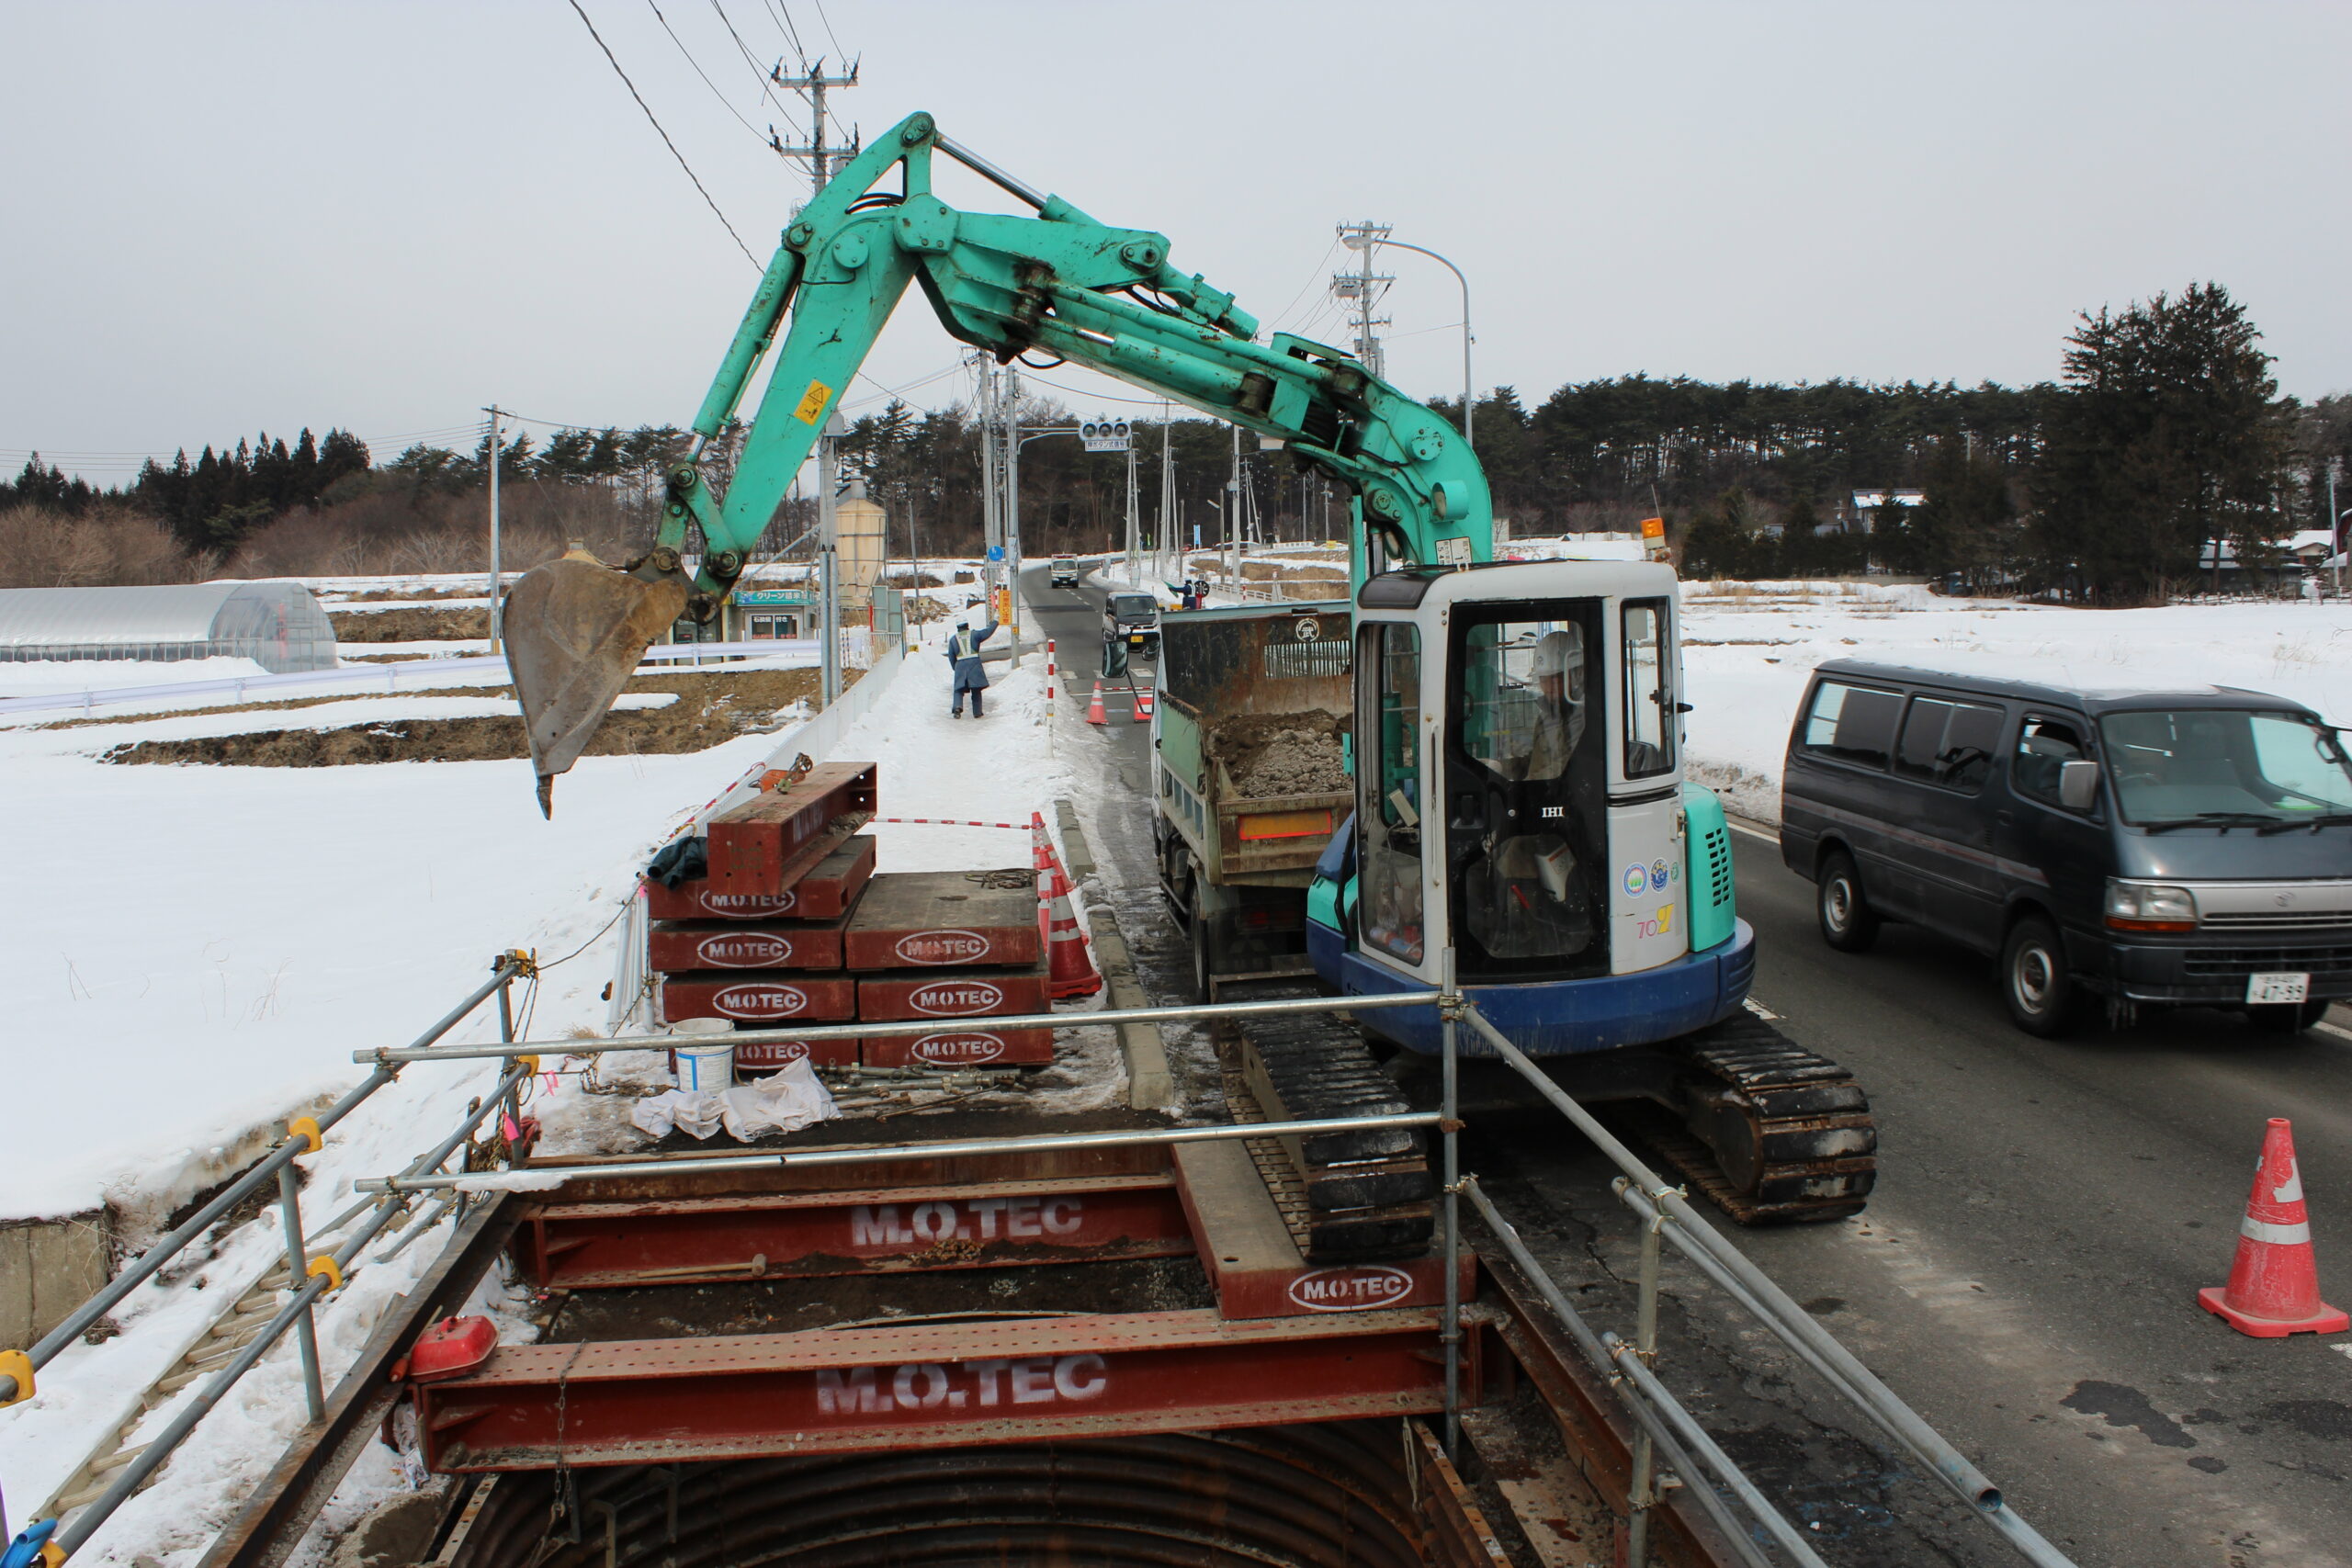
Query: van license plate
{"type": "Point", "coordinates": [2262, 988]}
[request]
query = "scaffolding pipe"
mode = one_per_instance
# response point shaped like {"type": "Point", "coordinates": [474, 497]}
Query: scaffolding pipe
{"type": "Point", "coordinates": [391, 1056]}
{"type": "Point", "coordinates": [533, 1178]}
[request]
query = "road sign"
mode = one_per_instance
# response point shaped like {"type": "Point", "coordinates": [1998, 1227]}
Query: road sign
{"type": "Point", "coordinates": [1105, 434]}
{"type": "Point", "coordinates": [995, 554]}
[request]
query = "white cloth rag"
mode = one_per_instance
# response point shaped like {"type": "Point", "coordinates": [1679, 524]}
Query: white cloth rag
{"type": "Point", "coordinates": [783, 1102]}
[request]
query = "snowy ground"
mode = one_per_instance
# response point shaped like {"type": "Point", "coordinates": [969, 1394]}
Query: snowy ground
{"type": "Point", "coordinates": [208, 945]}
{"type": "Point", "coordinates": [1748, 649]}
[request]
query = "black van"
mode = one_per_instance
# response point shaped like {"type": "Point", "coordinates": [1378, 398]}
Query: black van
{"type": "Point", "coordinates": [2175, 847]}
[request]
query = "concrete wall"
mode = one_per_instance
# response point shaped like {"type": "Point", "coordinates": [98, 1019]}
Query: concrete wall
{"type": "Point", "coordinates": [47, 1269]}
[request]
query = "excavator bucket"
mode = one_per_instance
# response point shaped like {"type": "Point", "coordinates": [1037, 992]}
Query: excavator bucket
{"type": "Point", "coordinates": [575, 629]}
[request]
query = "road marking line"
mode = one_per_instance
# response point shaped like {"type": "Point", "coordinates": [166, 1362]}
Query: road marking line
{"type": "Point", "coordinates": [2341, 1034]}
{"type": "Point", "coordinates": [1736, 826]}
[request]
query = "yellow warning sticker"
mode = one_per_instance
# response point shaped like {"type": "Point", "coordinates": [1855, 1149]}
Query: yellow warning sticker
{"type": "Point", "coordinates": [812, 403]}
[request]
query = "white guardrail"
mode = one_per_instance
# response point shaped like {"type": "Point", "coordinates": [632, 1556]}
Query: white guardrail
{"type": "Point", "coordinates": [380, 677]}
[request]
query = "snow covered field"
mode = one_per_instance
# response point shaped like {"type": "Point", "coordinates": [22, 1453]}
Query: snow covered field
{"type": "Point", "coordinates": [204, 947]}
{"type": "Point", "coordinates": [1749, 649]}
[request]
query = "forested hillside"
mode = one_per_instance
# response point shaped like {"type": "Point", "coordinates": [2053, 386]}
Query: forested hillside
{"type": "Point", "coordinates": [2164, 430]}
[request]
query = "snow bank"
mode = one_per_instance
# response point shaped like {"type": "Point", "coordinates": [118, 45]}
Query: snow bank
{"type": "Point", "coordinates": [1748, 649]}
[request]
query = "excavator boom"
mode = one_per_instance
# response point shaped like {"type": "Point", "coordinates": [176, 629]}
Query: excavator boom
{"type": "Point", "coordinates": [1056, 282]}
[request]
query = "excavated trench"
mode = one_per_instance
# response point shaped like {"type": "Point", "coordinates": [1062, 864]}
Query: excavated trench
{"type": "Point", "coordinates": [1334, 1495]}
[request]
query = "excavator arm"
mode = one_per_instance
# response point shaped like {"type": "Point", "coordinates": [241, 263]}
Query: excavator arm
{"type": "Point", "coordinates": [1059, 283]}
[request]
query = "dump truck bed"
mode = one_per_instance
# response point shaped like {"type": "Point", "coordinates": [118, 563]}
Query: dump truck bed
{"type": "Point", "coordinates": [1254, 705]}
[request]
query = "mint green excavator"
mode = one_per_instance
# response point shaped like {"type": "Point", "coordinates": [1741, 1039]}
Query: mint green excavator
{"type": "Point", "coordinates": [1059, 283]}
{"type": "Point", "coordinates": [1517, 789]}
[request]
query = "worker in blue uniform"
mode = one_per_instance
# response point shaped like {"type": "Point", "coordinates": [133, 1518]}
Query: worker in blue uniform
{"type": "Point", "coordinates": [964, 659]}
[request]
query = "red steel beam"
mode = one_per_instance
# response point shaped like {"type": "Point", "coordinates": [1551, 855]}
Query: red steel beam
{"type": "Point", "coordinates": [767, 844]}
{"type": "Point", "coordinates": [657, 1401]}
{"type": "Point", "coordinates": [874, 1230]}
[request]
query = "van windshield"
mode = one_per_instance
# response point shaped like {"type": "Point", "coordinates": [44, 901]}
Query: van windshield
{"type": "Point", "coordinates": [2229, 767]}
{"type": "Point", "coordinates": [1131, 606]}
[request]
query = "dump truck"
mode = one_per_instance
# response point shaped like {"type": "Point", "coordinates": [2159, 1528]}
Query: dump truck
{"type": "Point", "coordinates": [1252, 781]}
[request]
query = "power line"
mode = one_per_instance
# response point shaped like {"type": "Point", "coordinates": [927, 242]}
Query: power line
{"type": "Point", "coordinates": [828, 28]}
{"type": "Point", "coordinates": [739, 48]}
{"type": "Point", "coordinates": [782, 19]}
{"type": "Point", "coordinates": [1312, 279]}
{"type": "Point", "coordinates": [706, 81]}
{"type": "Point", "coordinates": [664, 135]}
{"type": "Point", "coordinates": [901, 391]}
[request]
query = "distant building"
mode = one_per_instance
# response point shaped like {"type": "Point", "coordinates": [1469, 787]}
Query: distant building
{"type": "Point", "coordinates": [1867, 504]}
{"type": "Point", "coordinates": [278, 626]}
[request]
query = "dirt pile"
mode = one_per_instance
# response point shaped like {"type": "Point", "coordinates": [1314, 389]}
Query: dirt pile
{"type": "Point", "coordinates": [1280, 753]}
{"type": "Point", "coordinates": [712, 707]}
{"type": "Point", "coordinates": [418, 623]}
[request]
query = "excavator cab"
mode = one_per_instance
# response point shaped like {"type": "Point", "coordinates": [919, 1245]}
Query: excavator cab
{"type": "Point", "coordinates": [1520, 799]}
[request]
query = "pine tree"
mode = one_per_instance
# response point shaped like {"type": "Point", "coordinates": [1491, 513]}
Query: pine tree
{"type": "Point", "coordinates": [2166, 441]}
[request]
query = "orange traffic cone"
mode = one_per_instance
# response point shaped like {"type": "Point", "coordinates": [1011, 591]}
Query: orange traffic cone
{"type": "Point", "coordinates": [1094, 708]}
{"type": "Point", "coordinates": [2274, 1285]}
{"type": "Point", "coordinates": [1069, 968]}
{"type": "Point", "coordinates": [1041, 851]}
{"type": "Point", "coordinates": [1143, 704]}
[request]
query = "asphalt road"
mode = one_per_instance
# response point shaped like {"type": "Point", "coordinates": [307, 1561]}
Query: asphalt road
{"type": "Point", "coordinates": [2027, 1270]}
{"type": "Point", "coordinates": [2026, 1273]}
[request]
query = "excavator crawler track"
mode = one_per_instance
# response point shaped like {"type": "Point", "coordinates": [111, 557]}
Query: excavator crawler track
{"type": "Point", "coordinates": [1805, 1146]}
{"type": "Point", "coordinates": [1364, 1195]}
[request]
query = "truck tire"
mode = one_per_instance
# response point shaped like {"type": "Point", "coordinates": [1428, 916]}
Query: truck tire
{"type": "Point", "coordinates": [2034, 982]}
{"type": "Point", "coordinates": [1848, 922]}
{"type": "Point", "coordinates": [1203, 953]}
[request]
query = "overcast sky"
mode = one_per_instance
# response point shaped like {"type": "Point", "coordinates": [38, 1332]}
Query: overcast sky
{"type": "Point", "coordinates": [229, 217]}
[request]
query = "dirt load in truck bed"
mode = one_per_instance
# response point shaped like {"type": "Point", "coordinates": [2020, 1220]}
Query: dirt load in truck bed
{"type": "Point", "coordinates": [1280, 753]}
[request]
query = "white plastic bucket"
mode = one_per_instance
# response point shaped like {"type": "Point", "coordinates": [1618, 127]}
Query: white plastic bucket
{"type": "Point", "coordinates": [706, 1065]}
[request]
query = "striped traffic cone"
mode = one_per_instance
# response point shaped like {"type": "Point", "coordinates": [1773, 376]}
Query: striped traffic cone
{"type": "Point", "coordinates": [1069, 969]}
{"type": "Point", "coordinates": [2274, 1284]}
{"type": "Point", "coordinates": [1143, 704]}
{"type": "Point", "coordinates": [1094, 708]}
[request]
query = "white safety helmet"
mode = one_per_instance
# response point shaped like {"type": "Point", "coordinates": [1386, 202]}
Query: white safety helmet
{"type": "Point", "coordinates": [1559, 653]}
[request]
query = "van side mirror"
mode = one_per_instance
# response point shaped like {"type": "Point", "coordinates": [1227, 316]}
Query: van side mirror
{"type": "Point", "coordinates": [2078, 785]}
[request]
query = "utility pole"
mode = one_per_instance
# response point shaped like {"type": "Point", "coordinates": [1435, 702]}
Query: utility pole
{"type": "Point", "coordinates": [825, 162]}
{"type": "Point", "coordinates": [1232, 517]}
{"type": "Point", "coordinates": [829, 657]}
{"type": "Point", "coordinates": [1135, 521]}
{"type": "Point", "coordinates": [494, 413]}
{"type": "Point", "coordinates": [1013, 510]}
{"type": "Point", "coordinates": [1365, 286]}
{"type": "Point", "coordinates": [1166, 476]}
{"type": "Point", "coordinates": [2336, 542]}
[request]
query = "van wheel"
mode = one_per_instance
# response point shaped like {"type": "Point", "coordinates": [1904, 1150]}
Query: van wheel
{"type": "Point", "coordinates": [2034, 980]}
{"type": "Point", "coordinates": [1848, 922]}
{"type": "Point", "coordinates": [2288, 1018]}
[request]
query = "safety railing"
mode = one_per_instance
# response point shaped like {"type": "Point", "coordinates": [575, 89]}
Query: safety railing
{"type": "Point", "coordinates": [1671, 1448]}
{"type": "Point", "coordinates": [310, 1279]}
{"type": "Point", "coordinates": [1663, 1427]}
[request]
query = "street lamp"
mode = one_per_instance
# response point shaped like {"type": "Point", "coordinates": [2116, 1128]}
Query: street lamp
{"type": "Point", "coordinates": [1469, 406]}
